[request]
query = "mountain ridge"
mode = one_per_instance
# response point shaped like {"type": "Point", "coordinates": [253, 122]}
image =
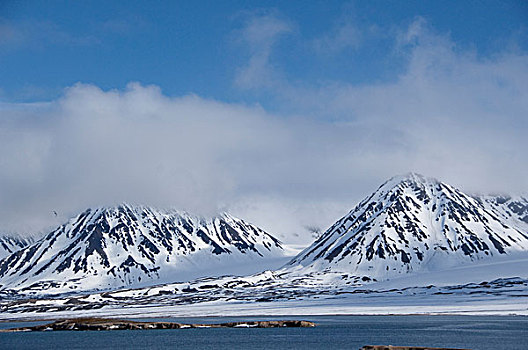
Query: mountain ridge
{"type": "Point", "coordinates": [11, 243]}
{"type": "Point", "coordinates": [411, 223]}
{"type": "Point", "coordinates": [111, 247]}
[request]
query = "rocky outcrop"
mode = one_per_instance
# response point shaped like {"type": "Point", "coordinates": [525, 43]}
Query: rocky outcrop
{"type": "Point", "coordinates": [104, 324]}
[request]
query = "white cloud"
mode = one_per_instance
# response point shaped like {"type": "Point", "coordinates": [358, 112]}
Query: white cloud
{"type": "Point", "coordinates": [450, 114]}
{"type": "Point", "coordinates": [259, 34]}
{"type": "Point", "coordinates": [94, 147]}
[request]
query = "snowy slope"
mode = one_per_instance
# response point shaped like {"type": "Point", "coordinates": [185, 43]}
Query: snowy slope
{"type": "Point", "coordinates": [10, 244]}
{"type": "Point", "coordinates": [107, 248]}
{"type": "Point", "coordinates": [412, 223]}
{"type": "Point", "coordinates": [514, 210]}
{"type": "Point", "coordinates": [415, 245]}
{"type": "Point", "coordinates": [491, 288]}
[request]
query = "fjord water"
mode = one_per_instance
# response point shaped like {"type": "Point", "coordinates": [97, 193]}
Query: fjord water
{"type": "Point", "coordinates": [332, 332]}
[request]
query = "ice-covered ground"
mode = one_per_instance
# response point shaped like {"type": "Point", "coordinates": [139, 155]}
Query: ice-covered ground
{"type": "Point", "coordinates": [498, 288]}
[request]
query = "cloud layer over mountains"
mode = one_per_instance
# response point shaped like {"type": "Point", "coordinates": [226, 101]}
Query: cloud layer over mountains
{"type": "Point", "coordinates": [450, 114]}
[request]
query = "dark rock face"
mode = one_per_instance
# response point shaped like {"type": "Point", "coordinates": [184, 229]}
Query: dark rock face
{"type": "Point", "coordinates": [11, 244]}
{"type": "Point", "coordinates": [507, 207]}
{"type": "Point", "coordinates": [412, 223]}
{"type": "Point", "coordinates": [103, 324]}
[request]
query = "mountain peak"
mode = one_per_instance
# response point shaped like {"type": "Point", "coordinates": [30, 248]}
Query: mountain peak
{"type": "Point", "coordinates": [108, 247]}
{"type": "Point", "coordinates": [125, 207]}
{"type": "Point", "coordinates": [410, 178]}
{"type": "Point", "coordinates": [411, 223]}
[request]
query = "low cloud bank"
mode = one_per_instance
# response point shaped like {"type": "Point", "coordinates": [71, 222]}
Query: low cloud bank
{"type": "Point", "coordinates": [451, 115]}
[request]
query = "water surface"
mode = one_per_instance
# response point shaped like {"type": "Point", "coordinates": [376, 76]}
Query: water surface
{"type": "Point", "coordinates": [332, 332]}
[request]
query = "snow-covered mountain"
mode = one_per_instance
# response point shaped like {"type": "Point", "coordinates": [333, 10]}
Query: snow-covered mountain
{"type": "Point", "coordinates": [107, 248]}
{"type": "Point", "coordinates": [511, 209]}
{"type": "Point", "coordinates": [412, 223]}
{"type": "Point", "coordinates": [10, 244]}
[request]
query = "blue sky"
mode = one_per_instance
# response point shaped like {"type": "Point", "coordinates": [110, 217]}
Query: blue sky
{"type": "Point", "coordinates": [283, 113]}
{"type": "Point", "coordinates": [194, 47]}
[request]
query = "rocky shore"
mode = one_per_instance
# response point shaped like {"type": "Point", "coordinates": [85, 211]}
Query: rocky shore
{"type": "Point", "coordinates": [106, 324]}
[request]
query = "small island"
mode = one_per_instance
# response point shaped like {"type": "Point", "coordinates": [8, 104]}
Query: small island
{"type": "Point", "coordinates": [108, 324]}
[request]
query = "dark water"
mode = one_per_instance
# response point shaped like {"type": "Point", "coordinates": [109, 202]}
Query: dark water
{"type": "Point", "coordinates": [333, 332]}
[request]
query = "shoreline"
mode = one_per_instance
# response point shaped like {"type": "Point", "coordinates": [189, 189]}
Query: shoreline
{"type": "Point", "coordinates": [295, 316]}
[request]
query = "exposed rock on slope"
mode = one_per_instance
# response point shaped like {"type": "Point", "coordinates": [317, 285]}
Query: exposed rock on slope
{"type": "Point", "coordinates": [135, 245]}
{"type": "Point", "coordinates": [10, 244]}
{"type": "Point", "coordinates": [511, 209]}
{"type": "Point", "coordinates": [412, 223]}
